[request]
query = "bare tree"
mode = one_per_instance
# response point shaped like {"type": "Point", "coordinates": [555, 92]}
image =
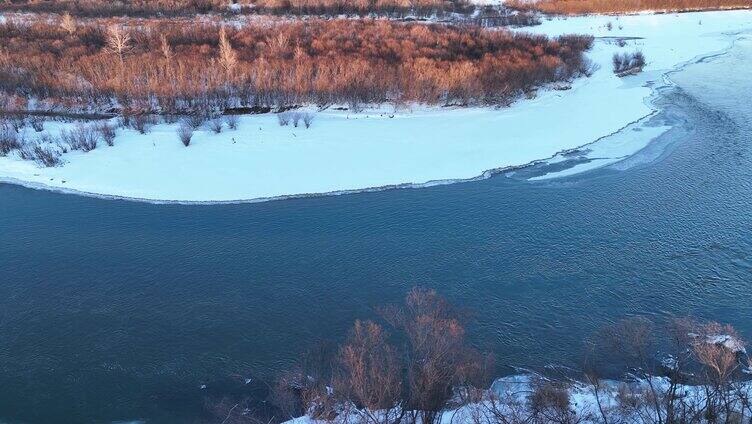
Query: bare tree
{"type": "Point", "coordinates": [216, 125]}
{"type": "Point", "coordinates": [68, 24]}
{"type": "Point", "coordinates": [437, 359]}
{"type": "Point", "coordinates": [232, 122]}
{"type": "Point", "coordinates": [369, 374]}
{"type": "Point", "coordinates": [9, 139]}
{"type": "Point", "coordinates": [107, 132]}
{"type": "Point", "coordinates": [118, 41]}
{"type": "Point", "coordinates": [167, 54]}
{"type": "Point", "coordinates": [37, 122]}
{"type": "Point", "coordinates": [283, 118]}
{"type": "Point", "coordinates": [306, 389]}
{"type": "Point", "coordinates": [227, 56]}
{"type": "Point", "coordinates": [308, 119]}
{"type": "Point", "coordinates": [631, 341]}
{"type": "Point", "coordinates": [81, 137]}
{"type": "Point", "coordinates": [717, 349]}
{"type": "Point", "coordinates": [549, 403]}
{"type": "Point", "coordinates": [185, 133]}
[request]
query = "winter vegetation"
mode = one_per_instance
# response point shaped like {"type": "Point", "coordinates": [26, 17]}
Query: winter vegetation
{"type": "Point", "coordinates": [578, 7]}
{"type": "Point", "coordinates": [628, 63]}
{"type": "Point", "coordinates": [415, 365]}
{"type": "Point", "coordinates": [362, 7]}
{"type": "Point", "coordinates": [145, 8]}
{"type": "Point", "coordinates": [348, 145]}
{"type": "Point", "coordinates": [161, 66]}
{"type": "Point", "coordinates": [116, 8]}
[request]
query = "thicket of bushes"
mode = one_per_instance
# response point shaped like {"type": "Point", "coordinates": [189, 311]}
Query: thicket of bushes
{"type": "Point", "coordinates": [361, 7]}
{"type": "Point", "coordinates": [415, 365]}
{"type": "Point", "coordinates": [116, 7]}
{"type": "Point", "coordinates": [102, 8]}
{"type": "Point", "coordinates": [46, 149]}
{"type": "Point", "coordinates": [167, 67]}
{"type": "Point", "coordinates": [576, 7]}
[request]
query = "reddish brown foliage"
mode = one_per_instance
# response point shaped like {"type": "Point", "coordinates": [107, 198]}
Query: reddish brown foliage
{"type": "Point", "coordinates": [368, 372]}
{"type": "Point", "coordinates": [577, 7]}
{"type": "Point", "coordinates": [167, 66]}
{"type": "Point", "coordinates": [333, 7]}
{"type": "Point", "coordinates": [186, 7]}
{"type": "Point", "coordinates": [115, 7]}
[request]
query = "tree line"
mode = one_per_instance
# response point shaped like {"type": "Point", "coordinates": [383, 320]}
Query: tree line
{"type": "Point", "coordinates": [414, 364]}
{"type": "Point", "coordinates": [159, 66]}
{"type": "Point", "coordinates": [143, 8]}
{"type": "Point", "coordinates": [102, 8]}
{"type": "Point", "coordinates": [362, 7]}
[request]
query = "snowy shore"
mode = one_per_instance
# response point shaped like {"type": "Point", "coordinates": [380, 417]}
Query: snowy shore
{"type": "Point", "coordinates": [345, 151]}
{"type": "Point", "coordinates": [587, 404]}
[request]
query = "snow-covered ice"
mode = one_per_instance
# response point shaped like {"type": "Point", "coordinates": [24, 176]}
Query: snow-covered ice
{"type": "Point", "coordinates": [343, 151]}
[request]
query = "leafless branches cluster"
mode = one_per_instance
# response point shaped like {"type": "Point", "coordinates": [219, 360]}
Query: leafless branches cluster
{"type": "Point", "coordinates": [46, 149]}
{"type": "Point", "coordinates": [142, 8]}
{"type": "Point", "coordinates": [407, 375]}
{"type": "Point", "coordinates": [415, 366]}
{"type": "Point", "coordinates": [285, 118]}
{"type": "Point", "coordinates": [698, 379]}
{"type": "Point", "coordinates": [628, 63]}
{"type": "Point", "coordinates": [159, 66]}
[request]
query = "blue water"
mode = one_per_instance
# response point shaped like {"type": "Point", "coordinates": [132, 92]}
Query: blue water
{"type": "Point", "coordinates": [113, 310]}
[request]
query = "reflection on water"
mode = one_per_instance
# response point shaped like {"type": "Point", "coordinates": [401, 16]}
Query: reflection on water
{"type": "Point", "coordinates": [116, 310]}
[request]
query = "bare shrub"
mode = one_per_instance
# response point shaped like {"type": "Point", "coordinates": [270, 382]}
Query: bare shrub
{"type": "Point", "coordinates": [638, 59]}
{"type": "Point", "coordinates": [296, 118]}
{"type": "Point", "coordinates": [306, 389]}
{"type": "Point", "coordinates": [107, 132]}
{"type": "Point", "coordinates": [308, 119]}
{"type": "Point", "coordinates": [81, 137]}
{"type": "Point", "coordinates": [369, 373]}
{"type": "Point", "coordinates": [549, 402]}
{"type": "Point", "coordinates": [185, 133]}
{"type": "Point", "coordinates": [143, 123]}
{"type": "Point", "coordinates": [196, 120]}
{"type": "Point", "coordinates": [9, 140]}
{"type": "Point", "coordinates": [42, 155]}
{"type": "Point", "coordinates": [718, 349]}
{"type": "Point", "coordinates": [125, 120]}
{"type": "Point", "coordinates": [628, 63]}
{"type": "Point", "coordinates": [17, 124]}
{"type": "Point", "coordinates": [232, 122]}
{"type": "Point", "coordinates": [283, 118]}
{"type": "Point", "coordinates": [37, 123]}
{"type": "Point", "coordinates": [233, 409]}
{"type": "Point", "coordinates": [216, 125]}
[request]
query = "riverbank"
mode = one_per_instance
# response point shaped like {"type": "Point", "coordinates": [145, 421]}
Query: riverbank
{"type": "Point", "coordinates": [511, 398]}
{"type": "Point", "coordinates": [380, 148]}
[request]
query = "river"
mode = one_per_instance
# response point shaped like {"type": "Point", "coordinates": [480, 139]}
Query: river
{"type": "Point", "coordinates": [117, 310]}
